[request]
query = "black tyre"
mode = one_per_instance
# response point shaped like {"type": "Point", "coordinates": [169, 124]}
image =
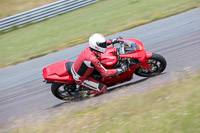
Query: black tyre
{"type": "Point", "coordinates": [59, 91]}
{"type": "Point", "coordinates": [157, 64]}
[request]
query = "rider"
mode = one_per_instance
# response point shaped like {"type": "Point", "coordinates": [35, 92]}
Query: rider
{"type": "Point", "coordinates": [88, 60]}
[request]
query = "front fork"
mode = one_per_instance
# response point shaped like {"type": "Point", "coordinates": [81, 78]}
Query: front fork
{"type": "Point", "coordinates": [145, 64]}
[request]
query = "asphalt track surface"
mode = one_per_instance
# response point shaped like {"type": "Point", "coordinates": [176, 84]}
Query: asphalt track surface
{"type": "Point", "coordinates": [177, 38]}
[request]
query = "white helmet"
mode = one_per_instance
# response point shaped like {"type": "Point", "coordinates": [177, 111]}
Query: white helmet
{"type": "Point", "coordinates": [98, 42]}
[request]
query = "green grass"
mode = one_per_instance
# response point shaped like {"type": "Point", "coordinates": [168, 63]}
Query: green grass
{"type": "Point", "coordinates": [106, 16]}
{"type": "Point", "coordinates": [12, 7]}
{"type": "Point", "coordinates": [171, 109]}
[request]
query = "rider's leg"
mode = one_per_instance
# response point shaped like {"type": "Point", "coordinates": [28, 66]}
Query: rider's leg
{"type": "Point", "coordinates": [95, 86]}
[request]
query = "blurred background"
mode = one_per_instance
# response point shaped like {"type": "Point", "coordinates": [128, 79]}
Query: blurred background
{"type": "Point", "coordinates": [19, 44]}
{"type": "Point", "coordinates": [37, 33]}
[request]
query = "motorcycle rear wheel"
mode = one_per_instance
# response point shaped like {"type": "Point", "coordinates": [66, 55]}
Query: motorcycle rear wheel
{"type": "Point", "coordinates": [156, 62]}
{"type": "Point", "coordinates": [58, 91]}
{"type": "Point", "coordinates": [64, 92]}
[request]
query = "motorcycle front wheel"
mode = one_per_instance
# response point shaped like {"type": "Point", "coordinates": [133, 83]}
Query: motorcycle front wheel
{"type": "Point", "coordinates": [156, 62]}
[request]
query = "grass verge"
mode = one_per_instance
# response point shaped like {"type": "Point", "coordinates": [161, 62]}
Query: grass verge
{"type": "Point", "coordinates": [12, 7]}
{"type": "Point", "coordinates": [174, 108]}
{"type": "Point", "coordinates": [106, 16]}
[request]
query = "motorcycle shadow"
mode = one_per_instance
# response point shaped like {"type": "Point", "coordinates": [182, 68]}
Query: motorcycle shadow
{"type": "Point", "coordinates": [110, 89]}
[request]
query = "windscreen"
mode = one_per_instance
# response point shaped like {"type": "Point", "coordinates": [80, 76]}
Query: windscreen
{"type": "Point", "coordinates": [128, 47]}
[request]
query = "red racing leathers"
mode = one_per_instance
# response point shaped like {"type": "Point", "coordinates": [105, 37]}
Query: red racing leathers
{"type": "Point", "coordinates": [84, 66]}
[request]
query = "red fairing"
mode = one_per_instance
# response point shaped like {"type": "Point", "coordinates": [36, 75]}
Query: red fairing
{"type": "Point", "coordinates": [145, 62]}
{"type": "Point", "coordinates": [57, 72]}
{"type": "Point", "coordinates": [148, 55]}
{"type": "Point", "coordinates": [109, 58]}
{"type": "Point", "coordinates": [139, 53]}
{"type": "Point", "coordinates": [126, 76]}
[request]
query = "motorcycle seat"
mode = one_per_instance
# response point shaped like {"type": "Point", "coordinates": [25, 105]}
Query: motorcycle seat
{"type": "Point", "coordinates": [69, 66]}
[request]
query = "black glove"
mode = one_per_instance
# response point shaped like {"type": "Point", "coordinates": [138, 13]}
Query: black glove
{"type": "Point", "coordinates": [114, 41]}
{"type": "Point", "coordinates": [119, 71]}
{"type": "Point", "coordinates": [124, 67]}
{"type": "Point", "coordinates": [119, 37]}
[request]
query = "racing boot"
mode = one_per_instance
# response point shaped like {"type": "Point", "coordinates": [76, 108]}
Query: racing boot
{"type": "Point", "coordinates": [102, 89]}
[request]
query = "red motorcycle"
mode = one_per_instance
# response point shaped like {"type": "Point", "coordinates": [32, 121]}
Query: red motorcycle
{"type": "Point", "coordinates": [129, 51]}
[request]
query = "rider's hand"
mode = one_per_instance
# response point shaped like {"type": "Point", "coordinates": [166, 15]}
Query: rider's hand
{"type": "Point", "coordinates": [119, 71]}
{"type": "Point", "coordinates": [119, 37]}
{"type": "Point", "coordinates": [114, 41]}
{"type": "Point", "coordinates": [124, 67]}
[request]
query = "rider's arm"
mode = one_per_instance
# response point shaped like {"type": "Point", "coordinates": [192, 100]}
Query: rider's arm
{"type": "Point", "coordinates": [103, 71]}
{"type": "Point", "coordinates": [113, 41]}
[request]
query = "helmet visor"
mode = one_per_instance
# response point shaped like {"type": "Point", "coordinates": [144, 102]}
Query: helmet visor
{"type": "Point", "coordinates": [102, 44]}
